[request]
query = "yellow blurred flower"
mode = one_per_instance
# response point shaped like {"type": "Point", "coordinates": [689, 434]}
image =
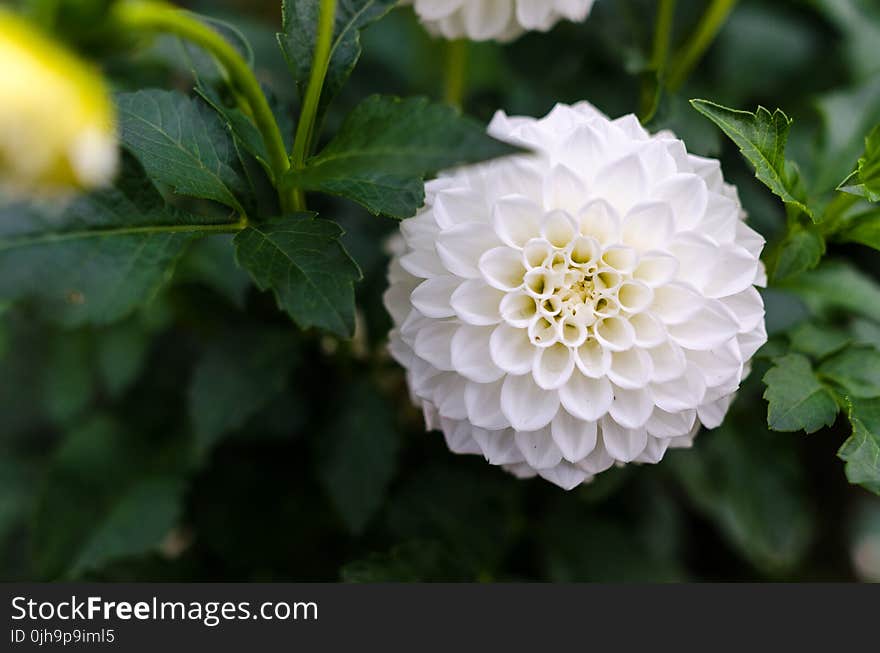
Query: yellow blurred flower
{"type": "Point", "coordinates": [57, 122]}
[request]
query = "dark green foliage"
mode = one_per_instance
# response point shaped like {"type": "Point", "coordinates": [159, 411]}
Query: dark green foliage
{"type": "Point", "coordinates": [300, 259]}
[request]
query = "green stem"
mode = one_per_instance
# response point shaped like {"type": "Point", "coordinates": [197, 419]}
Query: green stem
{"type": "Point", "coordinates": [662, 34]}
{"type": "Point", "coordinates": [659, 57]}
{"type": "Point", "coordinates": [690, 54]}
{"type": "Point", "coordinates": [305, 129]}
{"type": "Point", "coordinates": [456, 72]}
{"type": "Point", "coordinates": [834, 212]}
{"type": "Point", "coordinates": [144, 15]}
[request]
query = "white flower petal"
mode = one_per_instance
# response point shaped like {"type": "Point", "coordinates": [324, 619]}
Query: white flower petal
{"type": "Point", "coordinates": [622, 443]}
{"type": "Point", "coordinates": [564, 190]}
{"type": "Point", "coordinates": [516, 220]}
{"type": "Point", "coordinates": [502, 268]}
{"type": "Point", "coordinates": [615, 333]}
{"type": "Point", "coordinates": [598, 461]}
{"type": "Point", "coordinates": [631, 369]}
{"type": "Point", "coordinates": [654, 451]}
{"type": "Point", "coordinates": [648, 226]}
{"type": "Point", "coordinates": [432, 296]}
{"type": "Point", "coordinates": [648, 330]}
{"type": "Point", "coordinates": [656, 268]}
{"type": "Point", "coordinates": [565, 475]}
{"type": "Point", "coordinates": [499, 447]}
{"type": "Point", "coordinates": [670, 425]}
{"type": "Point", "coordinates": [458, 437]}
{"type": "Point", "coordinates": [623, 183]}
{"type": "Point", "coordinates": [511, 350]}
{"type": "Point", "coordinates": [553, 366]}
{"type": "Point", "coordinates": [475, 302]}
{"type": "Point", "coordinates": [558, 228]}
{"type": "Point", "coordinates": [710, 327]}
{"type": "Point", "coordinates": [459, 206]}
{"type": "Point", "coordinates": [575, 437]}
{"type": "Point", "coordinates": [687, 195]}
{"type": "Point", "coordinates": [501, 20]}
{"type": "Point", "coordinates": [470, 355]}
{"type": "Point", "coordinates": [669, 361]}
{"type": "Point", "coordinates": [748, 306]}
{"type": "Point", "coordinates": [712, 414]}
{"type": "Point", "coordinates": [434, 344]}
{"type": "Point", "coordinates": [538, 448]}
{"type": "Point", "coordinates": [586, 398]}
{"type": "Point", "coordinates": [461, 247]}
{"type": "Point", "coordinates": [631, 408]}
{"type": "Point", "coordinates": [599, 220]}
{"type": "Point", "coordinates": [593, 359]}
{"type": "Point", "coordinates": [676, 303]}
{"type": "Point", "coordinates": [483, 404]}
{"type": "Point", "coordinates": [449, 397]}
{"type": "Point", "coordinates": [526, 406]}
{"type": "Point", "coordinates": [683, 393]}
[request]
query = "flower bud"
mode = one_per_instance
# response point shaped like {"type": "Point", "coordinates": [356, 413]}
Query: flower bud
{"type": "Point", "coordinates": [57, 123]}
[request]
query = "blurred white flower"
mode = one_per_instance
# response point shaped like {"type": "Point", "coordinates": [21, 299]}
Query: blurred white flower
{"type": "Point", "coordinates": [501, 20]}
{"type": "Point", "coordinates": [589, 304]}
{"type": "Point", "coordinates": [57, 128]}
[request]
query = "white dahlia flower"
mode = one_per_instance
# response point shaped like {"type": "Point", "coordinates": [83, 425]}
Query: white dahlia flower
{"type": "Point", "coordinates": [501, 20]}
{"type": "Point", "coordinates": [585, 305]}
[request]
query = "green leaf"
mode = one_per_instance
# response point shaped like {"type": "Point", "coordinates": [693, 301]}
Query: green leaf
{"type": "Point", "coordinates": [862, 228]}
{"type": "Point", "coordinates": [358, 455]}
{"type": "Point", "coordinates": [17, 479]}
{"type": "Point", "coordinates": [242, 126]}
{"type": "Point", "coordinates": [783, 310]}
{"type": "Point", "coordinates": [141, 516]}
{"type": "Point", "coordinates": [859, 24]}
{"type": "Point", "coordinates": [98, 257]}
{"type": "Point", "coordinates": [109, 493]}
{"type": "Point", "coordinates": [749, 483]}
{"type": "Point", "coordinates": [69, 377]}
{"type": "Point", "coordinates": [579, 544]}
{"type": "Point", "coordinates": [856, 370]}
{"type": "Point", "coordinates": [861, 451]}
{"type": "Point", "coordinates": [797, 399]}
{"type": "Point", "coordinates": [837, 287]}
{"type": "Point", "coordinates": [865, 180]}
{"type": "Point", "coordinates": [847, 115]}
{"type": "Point", "coordinates": [122, 353]}
{"type": "Point", "coordinates": [239, 124]}
{"type": "Point", "coordinates": [818, 341]}
{"type": "Point", "coordinates": [411, 562]}
{"type": "Point", "coordinates": [211, 261]}
{"type": "Point", "coordinates": [302, 261]}
{"type": "Point", "coordinates": [181, 142]}
{"type": "Point", "coordinates": [236, 377]}
{"type": "Point", "coordinates": [385, 148]}
{"type": "Point", "coordinates": [761, 137]}
{"type": "Point", "coordinates": [866, 332]}
{"type": "Point", "coordinates": [429, 505]}
{"type": "Point", "coordinates": [801, 250]}
{"type": "Point", "coordinates": [299, 20]}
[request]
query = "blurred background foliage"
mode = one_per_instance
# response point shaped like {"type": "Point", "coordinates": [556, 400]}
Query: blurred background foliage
{"type": "Point", "coordinates": [205, 438]}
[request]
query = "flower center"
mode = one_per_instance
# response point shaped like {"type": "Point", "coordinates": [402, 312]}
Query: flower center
{"type": "Point", "coordinates": [568, 292]}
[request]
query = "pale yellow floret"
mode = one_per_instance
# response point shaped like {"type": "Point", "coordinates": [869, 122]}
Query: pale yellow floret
{"type": "Point", "coordinates": [57, 122]}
